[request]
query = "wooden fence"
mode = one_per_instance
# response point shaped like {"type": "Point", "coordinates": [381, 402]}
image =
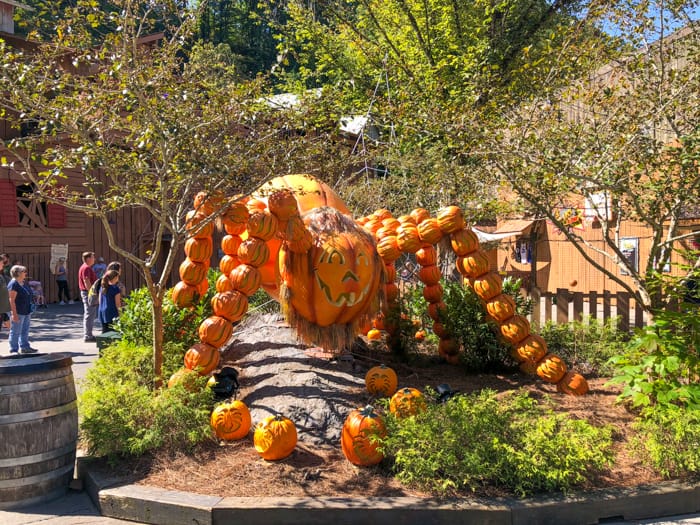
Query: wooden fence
{"type": "Point", "coordinates": [565, 306]}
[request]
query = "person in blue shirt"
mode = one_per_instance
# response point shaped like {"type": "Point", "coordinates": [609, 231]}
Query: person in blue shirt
{"type": "Point", "coordinates": [110, 300]}
{"type": "Point", "coordinates": [20, 311]}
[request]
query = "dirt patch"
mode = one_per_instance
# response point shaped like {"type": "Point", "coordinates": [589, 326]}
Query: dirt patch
{"type": "Point", "coordinates": [317, 466]}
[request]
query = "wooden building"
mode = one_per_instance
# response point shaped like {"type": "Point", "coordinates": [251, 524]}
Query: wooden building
{"type": "Point", "coordinates": [29, 227]}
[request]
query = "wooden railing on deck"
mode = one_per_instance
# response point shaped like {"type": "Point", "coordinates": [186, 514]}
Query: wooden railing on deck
{"type": "Point", "coordinates": [565, 306]}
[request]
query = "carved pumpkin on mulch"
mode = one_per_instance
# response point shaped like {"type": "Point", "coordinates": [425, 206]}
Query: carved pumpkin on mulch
{"type": "Point", "coordinates": [231, 421]}
{"type": "Point", "coordinates": [275, 437]}
{"type": "Point", "coordinates": [381, 381]}
{"type": "Point", "coordinates": [407, 402]}
{"type": "Point", "coordinates": [359, 438]}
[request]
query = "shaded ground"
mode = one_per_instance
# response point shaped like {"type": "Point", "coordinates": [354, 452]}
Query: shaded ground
{"type": "Point", "coordinates": [279, 374]}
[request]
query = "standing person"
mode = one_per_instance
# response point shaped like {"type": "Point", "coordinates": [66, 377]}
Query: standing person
{"type": "Point", "coordinates": [86, 277]}
{"type": "Point", "coordinates": [5, 314]}
{"type": "Point", "coordinates": [110, 299]}
{"type": "Point", "coordinates": [21, 311]}
{"type": "Point", "coordinates": [4, 294]}
{"type": "Point", "coordinates": [62, 281]}
{"type": "Point", "coordinates": [114, 265]}
{"type": "Point", "coordinates": [100, 267]}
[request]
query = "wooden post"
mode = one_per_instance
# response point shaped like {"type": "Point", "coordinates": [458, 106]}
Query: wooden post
{"type": "Point", "coordinates": [562, 306]}
{"type": "Point", "coordinates": [638, 315]}
{"type": "Point", "coordinates": [593, 305]}
{"type": "Point", "coordinates": [606, 305]}
{"type": "Point", "coordinates": [536, 307]}
{"type": "Point", "coordinates": [623, 311]}
{"type": "Point", "coordinates": [578, 306]}
{"type": "Point", "coordinates": [547, 307]}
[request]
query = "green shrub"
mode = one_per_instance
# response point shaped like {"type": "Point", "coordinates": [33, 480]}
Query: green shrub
{"type": "Point", "coordinates": [261, 302]}
{"type": "Point", "coordinates": [121, 415]}
{"type": "Point", "coordinates": [509, 441]}
{"type": "Point", "coordinates": [669, 441]}
{"type": "Point", "coordinates": [585, 345]}
{"type": "Point", "coordinates": [660, 367]}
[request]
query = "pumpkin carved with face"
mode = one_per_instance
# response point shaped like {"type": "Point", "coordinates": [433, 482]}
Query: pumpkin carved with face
{"type": "Point", "coordinates": [338, 280]}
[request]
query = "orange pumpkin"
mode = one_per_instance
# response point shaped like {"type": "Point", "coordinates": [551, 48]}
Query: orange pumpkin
{"type": "Point", "coordinates": [235, 218]}
{"type": "Point", "coordinates": [262, 225]}
{"type": "Point", "coordinates": [532, 348]}
{"type": "Point", "coordinates": [382, 213]}
{"type": "Point", "coordinates": [384, 232]}
{"type": "Point", "coordinates": [230, 305]}
{"type": "Point", "coordinates": [390, 223]}
{"type": "Point", "coordinates": [407, 402]}
{"type": "Point", "coordinates": [390, 272]}
{"type": "Point", "coordinates": [215, 330]}
{"type": "Point", "coordinates": [246, 279]}
{"type": "Point", "coordinates": [186, 377]}
{"type": "Point", "coordinates": [488, 286]}
{"type": "Point", "coordinates": [337, 280]}
{"type": "Point", "coordinates": [224, 284]}
{"type": "Point", "coordinates": [437, 311]}
{"type": "Point", "coordinates": [515, 329]}
{"type": "Point", "coordinates": [429, 231]}
{"type": "Point", "coordinates": [464, 242]}
{"type": "Point", "coordinates": [253, 251]}
{"type": "Point", "coordinates": [419, 215]}
{"type": "Point", "coordinates": [406, 219]}
{"type": "Point", "coordinates": [199, 250]}
{"type": "Point", "coordinates": [283, 204]}
{"type": "Point", "coordinates": [255, 205]}
{"type": "Point", "coordinates": [374, 335]}
{"type": "Point", "coordinates": [184, 295]}
{"type": "Point", "coordinates": [551, 368]}
{"type": "Point", "coordinates": [450, 219]}
{"type": "Point", "coordinates": [433, 293]}
{"type": "Point", "coordinates": [275, 437]}
{"type": "Point", "coordinates": [228, 263]}
{"type": "Point", "coordinates": [473, 265]}
{"type": "Point", "coordinates": [203, 287]}
{"type": "Point", "coordinates": [573, 384]}
{"type": "Point", "coordinates": [192, 272]}
{"type": "Point", "coordinates": [407, 238]}
{"type": "Point", "coordinates": [448, 346]}
{"type": "Point", "coordinates": [388, 248]}
{"type": "Point", "coordinates": [230, 244]}
{"type": "Point", "coordinates": [381, 380]}
{"type": "Point", "coordinates": [309, 192]}
{"type": "Point", "coordinates": [359, 439]}
{"type": "Point", "coordinates": [419, 335]}
{"type": "Point", "coordinates": [430, 275]}
{"type": "Point", "coordinates": [198, 225]}
{"type": "Point", "coordinates": [231, 421]}
{"type": "Point", "coordinates": [372, 226]}
{"type": "Point", "coordinates": [426, 255]}
{"type": "Point", "coordinates": [202, 358]}
{"type": "Point", "coordinates": [392, 292]}
{"type": "Point", "coordinates": [501, 307]}
{"type": "Point", "coordinates": [440, 330]}
{"type": "Point", "coordinates": [203, 203]}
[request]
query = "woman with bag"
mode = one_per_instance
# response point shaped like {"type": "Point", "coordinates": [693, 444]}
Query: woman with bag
{"type": "Point", "coordinates": [21, 311]}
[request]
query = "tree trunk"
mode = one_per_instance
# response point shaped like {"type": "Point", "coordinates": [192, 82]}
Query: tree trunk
{"type": "Point", "coordinates": [157, 303]}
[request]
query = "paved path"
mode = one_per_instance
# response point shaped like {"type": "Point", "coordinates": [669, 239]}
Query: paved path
{"type": "Point", "coordinates": [59, 329]}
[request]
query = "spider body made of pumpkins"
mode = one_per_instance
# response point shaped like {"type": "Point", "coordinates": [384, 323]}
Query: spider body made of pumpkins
{"type": "Point", "coordinates": [381, 381]}
{"type": "Point", "coordinates": [359, 438]}
{"type": "Point", "coordinates": [202, 358]}
{"type": "Point", "coordinates": [275, 437]}
{"type": "Point", "coordinates": [338, 279]}
{"type": "Point", "coordinates": [407, 402]}
{"type": "Point", "coordinates": [231, 421]}
{"type": "Point", "coordinates": [573, 384]}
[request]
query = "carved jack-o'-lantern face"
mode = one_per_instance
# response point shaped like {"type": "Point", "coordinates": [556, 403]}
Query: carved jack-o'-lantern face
{"type": "Point", "coordinates": [344, 270]}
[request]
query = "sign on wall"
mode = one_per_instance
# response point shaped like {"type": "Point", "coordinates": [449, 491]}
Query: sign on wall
{"type": "Point", "coordinates": [629, 246]}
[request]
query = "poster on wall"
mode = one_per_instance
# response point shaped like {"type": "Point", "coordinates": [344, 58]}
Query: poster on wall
{"type": "Point", "coordinates": [629, 246]}
{"type": "Point", "coordinates": [58, 251]}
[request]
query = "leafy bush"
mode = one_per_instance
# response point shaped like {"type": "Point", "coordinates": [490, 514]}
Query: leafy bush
{"type": "Point", "coordinates": [466, 319]}
{"type": "Point", "coordinates": [661, 366]}
{"type": "Point", "coordinates": [121, 415]}
{"type": "Point", "coordinates": [586, 346]}
{"type": "Point", "coordinates": [260, 302]}
{"type": "Point", "coordinates": [669, 441]}
{"type": "Point", "coordinates": [484, 439]}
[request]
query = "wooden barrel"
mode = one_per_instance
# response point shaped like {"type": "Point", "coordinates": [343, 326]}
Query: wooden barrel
{"type": "Point", "coordinates": [38, 428]}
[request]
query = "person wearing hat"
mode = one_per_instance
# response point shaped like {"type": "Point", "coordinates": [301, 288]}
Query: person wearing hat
{"type": "Point", "coordinates": [100, 267]}
{"type": "Point", "coordinates": [62, 281]}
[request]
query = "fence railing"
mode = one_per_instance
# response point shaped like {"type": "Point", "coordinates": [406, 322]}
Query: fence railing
{"type": "Point", "coordinates": [565, 306]}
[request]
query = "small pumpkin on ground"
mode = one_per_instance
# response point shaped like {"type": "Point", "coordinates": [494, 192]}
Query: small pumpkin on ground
{"type": "Point", "coordinates": [361, 430]}
{"type": "Point", "coordinates": [573, 384]}
{"type": "Point", "coordinates": [381, 381]}
{"type": "Point", "coordinates": [374, 335]}
{"type": "Point", "coordinates": [231, 421]}
{"type": "Point", "coordinates": [407, 402]}
{"type": "Point", "coordinates": [275, 437]}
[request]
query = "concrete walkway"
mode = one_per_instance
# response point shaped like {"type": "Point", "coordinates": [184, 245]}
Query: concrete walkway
{"type": "Point", "coordinates": [59, 329]}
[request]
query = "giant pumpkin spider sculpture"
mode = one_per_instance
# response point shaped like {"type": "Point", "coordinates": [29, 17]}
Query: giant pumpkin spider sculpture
{"type": "Point", "coordinates": [295, 238]}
